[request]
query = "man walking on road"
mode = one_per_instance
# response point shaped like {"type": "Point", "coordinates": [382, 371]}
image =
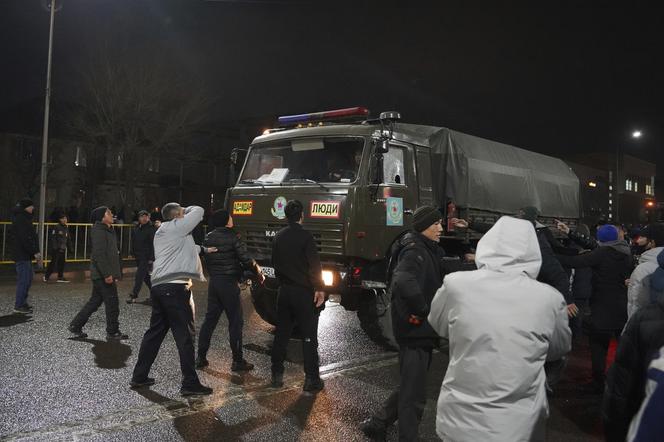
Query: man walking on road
{"type": "Point", "coordinates": [104, 272]}
{"type": "Point", "coordinates": [418, 274]}
{"type": "Point", "coordinates": [58, 244]}
{"type": "Point", "coordinates": [225, 268]}
{"type": "Point", "coordinates": [301, 299]}
{"type": "Point", "coordinates": [176, 263]}
{"type": "Point", "coordinates": [142, 249]}
{"type": "Point", "coordinates": [25, 249]}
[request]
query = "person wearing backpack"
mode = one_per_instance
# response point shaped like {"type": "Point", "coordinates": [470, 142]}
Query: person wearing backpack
{"type": "Point", "coordinates": [417, 276]}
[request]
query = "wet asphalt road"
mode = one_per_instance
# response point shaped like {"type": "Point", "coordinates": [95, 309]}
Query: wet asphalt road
{"type": "Point", "coordinates": [55, 388]}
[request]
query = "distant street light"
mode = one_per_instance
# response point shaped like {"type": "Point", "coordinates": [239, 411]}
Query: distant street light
{"type": "Point", "coordinates": [636, 134]}
{"type": "Point", "coordinates": [52, 8]}
{"type": "Point", "coordinates": [619, 177]}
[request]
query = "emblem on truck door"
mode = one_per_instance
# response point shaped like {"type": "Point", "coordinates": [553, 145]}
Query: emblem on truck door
{"type": "Point", "coordinates": [279, 206]}
{"type": "Point", "coordinates": [243, 208]}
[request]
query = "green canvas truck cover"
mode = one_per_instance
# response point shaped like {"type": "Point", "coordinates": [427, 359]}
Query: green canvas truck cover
{"type": "Point", "coordinates": [477, 173]}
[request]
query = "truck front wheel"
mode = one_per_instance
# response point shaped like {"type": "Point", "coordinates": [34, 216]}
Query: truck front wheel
{"type": "Point", "coordinates": [264, 297]}
{"type": "Point", "coordinates": [375, 317]}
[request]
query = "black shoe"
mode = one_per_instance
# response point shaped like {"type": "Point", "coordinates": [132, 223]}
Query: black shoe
{"type": "Point", "coordinates": [277, 380]}
{"type": "Point", "coordinates": [22, 310]}
{"type": "Point", "coordinates": [201, 362]}
{"type": "Point", "coordinates": [138, 384]}
{"type": "Point", "coordinates": [117, 335]}
{"type": "Point", "coordinates": [132, 299]}
{"type": "Point", "coordinates": [199, 390]}
{"type": "Point", "coordinates": [77, 332]}
{"type": "Point", "coordinates": [242, 366]}
{"type": "Point", "coordinates": [313, 385]}
{"type": "Point", "coordinates": [374, 428]}
{"type": "Point", "coordinates": [28, 306]}
{"type": "Point", "coordinates": [63, 280]}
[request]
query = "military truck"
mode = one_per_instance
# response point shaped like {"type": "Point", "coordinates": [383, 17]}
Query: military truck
{"type": "Point", "coordinates": [361, 179]}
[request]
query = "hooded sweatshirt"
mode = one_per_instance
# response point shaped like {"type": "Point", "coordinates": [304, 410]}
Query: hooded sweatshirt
{"type": "Point", "coordinates": [638, 291]}
{"type": "Point", "coordinates": [502, 325]}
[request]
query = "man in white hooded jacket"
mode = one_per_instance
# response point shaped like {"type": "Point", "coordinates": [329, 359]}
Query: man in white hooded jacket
{"type": "Point", "coordinates": [502, 326]}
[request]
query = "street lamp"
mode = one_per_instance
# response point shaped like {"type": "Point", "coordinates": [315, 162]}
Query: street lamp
{"type": "Point", "coordinates": [620, 181]}
{"type": "Point", "coordinates": [52, 7]}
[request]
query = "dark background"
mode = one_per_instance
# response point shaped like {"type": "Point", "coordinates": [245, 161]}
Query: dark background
{"type": "Point", "coordinates": [556, 79]}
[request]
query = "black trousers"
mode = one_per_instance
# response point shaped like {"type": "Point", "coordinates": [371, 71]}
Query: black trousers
{"type": "Point", "coordinates": [599, 347]}
{"type": "Point", "coordinates": [101, 293]}
{"type": "Point", "coordinates": [295, 305]}
{"type": "Point", "coordinates": [56, 263]}
{"type": "Point", "coordinates": [171, 310]}
{"type": "Point", "coordinates": [407, 402]}
{"type": "Point", "coordinates": [223, 296]}
{"type": "Point", "coordinates": [142, 276]}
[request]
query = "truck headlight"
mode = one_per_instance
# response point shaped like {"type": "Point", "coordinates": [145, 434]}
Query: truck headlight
{"type": "Point", "coordinates": [328, 277]}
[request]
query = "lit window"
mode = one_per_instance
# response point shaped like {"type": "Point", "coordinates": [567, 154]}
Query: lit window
{"type": "Point", "coordinates": [610, 202]}
{"type": "Point", "coordinates": [610, 187]}
{"type": "Point", "coordinates": [636, 187]}
{"type": "Point", "coordinates": [610, 215]}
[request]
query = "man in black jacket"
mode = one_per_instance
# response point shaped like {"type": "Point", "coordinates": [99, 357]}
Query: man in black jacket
{"type": "Point", "coordinates": [626, 380]}
{"type": "Point", "coordinates": [25, 249]}
{"type": "Point", "coordinates": [611, 264]}
{"type": "Point", "coordinates": [104, 272]}
{"type": "Point", "coordinates": [142, 248]}
{"type": "Point", "coordinates": [418, 275]}
{"type": "Point", "coordinates": [225, 268]}
{"type": "Point", "coordinates": [301, 298]}
{"type": "Point", "coordinates": [58, 244]}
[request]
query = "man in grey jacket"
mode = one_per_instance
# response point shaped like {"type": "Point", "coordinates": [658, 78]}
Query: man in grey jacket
{"type": "Point", "coordinates": [176, 263]}
{"type": "Point", "coordinates": [104, 272]}
{"type": "Point", "coordinates": [638, 289]}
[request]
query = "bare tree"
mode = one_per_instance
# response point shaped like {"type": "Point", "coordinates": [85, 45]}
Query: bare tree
{"type": "Point", "coordinates": [136, 107]}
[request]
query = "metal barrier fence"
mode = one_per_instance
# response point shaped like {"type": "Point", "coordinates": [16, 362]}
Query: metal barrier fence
{"type": "Point", "coordinates": [79, 233]}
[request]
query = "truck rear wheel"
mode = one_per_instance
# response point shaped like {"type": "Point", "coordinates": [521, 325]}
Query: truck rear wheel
{"type": "Point", "coordinates": [375, 317]}
{"type": "Point", "coordinates": [264, 297]}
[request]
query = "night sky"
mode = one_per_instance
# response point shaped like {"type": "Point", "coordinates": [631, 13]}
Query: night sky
{"type": "Point", "coordinates": [555, 80]}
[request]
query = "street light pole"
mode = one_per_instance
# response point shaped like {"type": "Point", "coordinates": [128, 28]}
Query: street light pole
{"type": "Point", "coordinates": [44, 157]}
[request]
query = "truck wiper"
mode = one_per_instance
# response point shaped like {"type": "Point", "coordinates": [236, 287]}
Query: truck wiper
{"type": "Point", "coordinates": [260, 183]}
{"type": "Point", "coordinates": [307, 180]}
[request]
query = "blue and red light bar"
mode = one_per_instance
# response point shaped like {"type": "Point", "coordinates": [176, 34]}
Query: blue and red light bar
{"type": "Point", "coordinates": [326, 115]}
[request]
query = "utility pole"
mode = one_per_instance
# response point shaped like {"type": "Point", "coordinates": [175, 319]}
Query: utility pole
{"type": "Point", "coordinates": [44, 157]}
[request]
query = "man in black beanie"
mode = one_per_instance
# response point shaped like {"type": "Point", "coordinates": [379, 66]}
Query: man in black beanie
{"type": "Point", "coordinates": [26, 247]}
{"type": "Point", "coordinates": [104, 272]}
{"type": "Point", "coordinates": [225, 267]}
{"type": "Point", "coordinates": [417, 276]}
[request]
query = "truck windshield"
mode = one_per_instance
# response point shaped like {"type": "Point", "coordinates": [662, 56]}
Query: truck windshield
{"type": "Point", "coordinates": [319, 160]}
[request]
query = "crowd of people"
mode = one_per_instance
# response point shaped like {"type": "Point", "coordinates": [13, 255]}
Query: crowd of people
{"type": "Point", "coordinates": [509, 315]}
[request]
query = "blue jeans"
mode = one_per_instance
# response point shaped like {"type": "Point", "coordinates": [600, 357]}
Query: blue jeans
{"type": "Point", "coordinates": [24, 275]}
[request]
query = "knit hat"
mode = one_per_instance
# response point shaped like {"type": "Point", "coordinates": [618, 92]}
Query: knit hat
{"type": "Point", "coordinates": [98, 214]}
{"type": "Point", "coordinates": [528, 213]}
{"type": "Point", "coordinates": [143, 212]}
{"type": "Point", "coordinates": [424, 217]}
{"type": "Point", "coordinates": [607, 233]}
{"type": "Point", "coordinates": [25, 203]}
{"type": "Point", "coordinates": [220, 218]}
{"type": "Point", "coordinates": [654, 232]}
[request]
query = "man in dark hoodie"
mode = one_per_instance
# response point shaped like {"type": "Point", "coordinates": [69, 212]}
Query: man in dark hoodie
{"type": "Point", "coordinates": [104, 272]}
{"type": "Point", "coordinates": [225, 268]}
{"type": "Point", "coordinates": [25, 249]}
{"type": "Point", "coordinates": [142, 249]}
{"type": "Point", "coordinates": [59, 242]}
{"type": "Point", "coordinates": [611, 263]}
{"type": "Point", "coordinates": [418, 275]}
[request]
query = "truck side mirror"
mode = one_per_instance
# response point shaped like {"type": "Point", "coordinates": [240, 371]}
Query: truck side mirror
{"type": "Point", "coordinates": [383, 146]}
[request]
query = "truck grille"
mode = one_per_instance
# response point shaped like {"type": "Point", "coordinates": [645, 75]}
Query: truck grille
{"type": "Point", "coordinates": [329, 238]}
